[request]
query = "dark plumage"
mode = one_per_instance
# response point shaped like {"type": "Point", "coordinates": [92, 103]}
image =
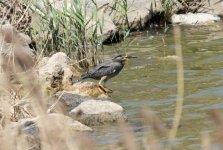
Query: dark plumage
{"type": "Point", "coordinates": [107, 69]}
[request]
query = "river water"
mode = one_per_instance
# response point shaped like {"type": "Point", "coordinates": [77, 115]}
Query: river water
{"type": "Point", "coordinates": [150, 81]}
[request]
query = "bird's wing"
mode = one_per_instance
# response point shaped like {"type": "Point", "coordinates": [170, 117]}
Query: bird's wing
{"type": "Point", "coordinates": [107, 69]}
{"type": "Point", "coordinates": [105, 64]}
{"type": "Point", "coordinates": [102, 67]}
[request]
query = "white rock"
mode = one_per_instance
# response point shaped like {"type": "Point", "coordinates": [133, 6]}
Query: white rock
{"type": "Point", "coordinates": [194, 18]}
{"type": "Point", "coordinates": [96, 107]}
{"type": "Point", "coordinates": [95, 112]}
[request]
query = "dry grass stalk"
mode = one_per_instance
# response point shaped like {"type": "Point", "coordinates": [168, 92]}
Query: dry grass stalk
{"type": "Point", "coordinates": [217, 117]}
{"type": "Point", "coordinates": [152, 136]}
{"type": "Point", "coordinates": [127, 137]}
{"type": "Point", "coordinates": [205, 142]}
{"type": "Point", "coordinates": [180, 85]}
{"type": "Point", "coordinates": [53, 133]}
{"type": "Point", "coordinates": [17, 13]}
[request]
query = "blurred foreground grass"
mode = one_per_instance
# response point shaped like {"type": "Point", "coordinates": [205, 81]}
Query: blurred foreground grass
{"type": "Point", "coordinates": [55, 135]}
{"type": "Point", "coordinates": [69, 31]}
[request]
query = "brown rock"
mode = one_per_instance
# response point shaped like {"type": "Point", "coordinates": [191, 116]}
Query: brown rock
{"type": "Point", "coordinates": [89, 88]}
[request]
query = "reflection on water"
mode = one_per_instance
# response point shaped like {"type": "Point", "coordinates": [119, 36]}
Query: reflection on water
{"type": "Point", "coordinates": [146, 81]}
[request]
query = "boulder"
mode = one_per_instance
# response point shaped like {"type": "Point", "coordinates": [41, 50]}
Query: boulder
{"type": "Point", "coordinates": [96, 112]}
{"type": "Point", "coordinates": [56, 73]}
{"type": "Point", "coordinates": [67, 101]}
{"type": "Point", "coordinates": [194, 18]}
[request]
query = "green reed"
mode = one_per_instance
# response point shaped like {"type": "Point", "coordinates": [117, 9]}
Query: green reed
{"type": "Point", "coordinates": [70, 30]}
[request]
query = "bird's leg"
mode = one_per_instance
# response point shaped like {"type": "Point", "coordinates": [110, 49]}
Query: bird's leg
{"type": "Point", "coordinates": [106, 90]}
{"type": "Point", "coordinates": [102, 80]}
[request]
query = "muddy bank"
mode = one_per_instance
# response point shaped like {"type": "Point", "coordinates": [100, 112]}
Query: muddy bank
{"type": "Point", "coordinates": [119, 16]}
{"type": "Point", "coordinates": [141, 15]}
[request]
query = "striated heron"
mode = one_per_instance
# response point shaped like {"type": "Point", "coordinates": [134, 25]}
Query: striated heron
{"type": "Point", "coordinates": [107, 70]}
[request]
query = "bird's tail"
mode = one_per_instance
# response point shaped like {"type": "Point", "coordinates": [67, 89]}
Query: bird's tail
{"type": "Point", "coordinates": [85, 75]}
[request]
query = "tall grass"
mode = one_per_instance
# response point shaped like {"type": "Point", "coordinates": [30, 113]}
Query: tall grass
{"type": "Point", "coordinates": [120, 17]}
{"type": "Point", "coordinates": [121, 13]}
{"type": "Point", "coordinates": [17, 13]}
{"type": "Point", "coordinates": [167, 6]}
{"type": "Point", "coordinates": [71, 30]}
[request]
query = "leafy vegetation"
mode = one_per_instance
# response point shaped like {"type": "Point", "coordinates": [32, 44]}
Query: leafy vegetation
{"type": "Point", "coordinates": [70, 30]}
{"type": "Point", "coordinates": [121, 13]}
{"type": "Point", "coordinates": [167, 6]}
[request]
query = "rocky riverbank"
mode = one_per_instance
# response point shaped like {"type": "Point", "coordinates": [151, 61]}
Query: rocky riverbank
{"type": "Point", "coordinates": [44, 94]}
{"type": "Point", "coordinates": [57, 100]}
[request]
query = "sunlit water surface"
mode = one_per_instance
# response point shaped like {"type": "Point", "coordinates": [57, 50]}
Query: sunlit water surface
{"type": "Point", "coordinates": [149, 82]}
